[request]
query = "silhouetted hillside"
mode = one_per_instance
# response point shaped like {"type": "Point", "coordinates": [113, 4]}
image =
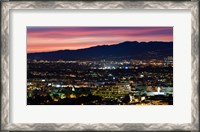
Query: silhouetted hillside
{"type": "Point", "coordinates": [125, 50]}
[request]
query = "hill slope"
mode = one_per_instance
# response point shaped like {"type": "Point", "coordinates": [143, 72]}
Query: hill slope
{"type": "Point", "coordinates": [125, 50]}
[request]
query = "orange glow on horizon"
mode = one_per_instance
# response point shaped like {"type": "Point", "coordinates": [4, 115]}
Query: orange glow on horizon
{"type": "Point", "coordinates": [45, 39]}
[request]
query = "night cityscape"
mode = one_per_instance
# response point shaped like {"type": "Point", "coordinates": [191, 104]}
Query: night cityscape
{"type": "Point", "coordinates": [123, 73]}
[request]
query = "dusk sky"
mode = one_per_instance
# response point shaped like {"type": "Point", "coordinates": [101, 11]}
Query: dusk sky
{"type": "Point", "coordinates": [44, 39]}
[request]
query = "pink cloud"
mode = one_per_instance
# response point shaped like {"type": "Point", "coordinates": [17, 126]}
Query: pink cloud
{"type": "Point", "coordinates": [58, 38]}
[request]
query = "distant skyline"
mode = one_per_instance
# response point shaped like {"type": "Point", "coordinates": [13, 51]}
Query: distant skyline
{"type": "Point", "coordinates": [45, 39]}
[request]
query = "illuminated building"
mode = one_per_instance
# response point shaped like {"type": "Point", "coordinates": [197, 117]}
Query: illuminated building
{"type": "Point", "coordinates": [111, 91]}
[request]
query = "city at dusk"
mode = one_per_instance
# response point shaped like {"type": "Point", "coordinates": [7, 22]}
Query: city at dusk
{"type": "Point", "coordinates": [99, 65]}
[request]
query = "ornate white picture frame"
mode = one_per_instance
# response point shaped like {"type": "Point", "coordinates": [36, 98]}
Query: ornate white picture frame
{"type": "Point", "coordinates": [8, 6]}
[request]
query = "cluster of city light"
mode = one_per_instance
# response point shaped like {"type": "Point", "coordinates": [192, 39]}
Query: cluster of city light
{"type": "Point", "coordinates": [109, 82]}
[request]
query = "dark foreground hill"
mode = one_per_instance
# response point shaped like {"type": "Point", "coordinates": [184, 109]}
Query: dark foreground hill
{"type": "Point", "coordinates": [125, 50]}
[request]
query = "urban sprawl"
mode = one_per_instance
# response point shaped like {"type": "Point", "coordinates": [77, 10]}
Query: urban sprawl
{"type": "Point", "coordinates": [100, 82]}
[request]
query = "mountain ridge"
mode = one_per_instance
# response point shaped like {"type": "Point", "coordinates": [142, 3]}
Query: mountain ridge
{"type": "Point", "coordinates": [123, 50]}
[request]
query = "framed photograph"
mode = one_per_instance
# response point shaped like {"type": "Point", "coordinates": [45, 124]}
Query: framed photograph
{"type": "Point", "coordinates": [100, 65]}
